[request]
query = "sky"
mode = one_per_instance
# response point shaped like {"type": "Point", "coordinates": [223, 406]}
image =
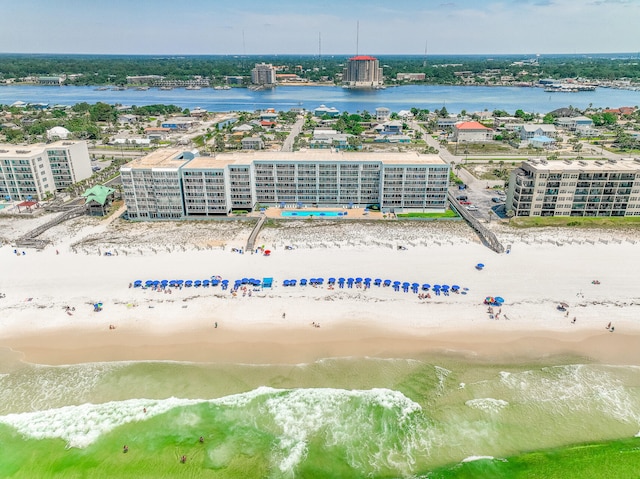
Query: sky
{"type": "Point", "coordinates": [269, 27]}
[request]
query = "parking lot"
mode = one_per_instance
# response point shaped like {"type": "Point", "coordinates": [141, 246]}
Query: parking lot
{"type": "Point", "coordinates": [480, 201]}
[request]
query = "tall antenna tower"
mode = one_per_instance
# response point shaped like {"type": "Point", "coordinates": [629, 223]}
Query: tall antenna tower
{"type": "Point", "coordinates": [357, 37]}
{"type": "Point", "coordinates": [320, 45]}
{"type": "Point", "coordinates": [424, 61]}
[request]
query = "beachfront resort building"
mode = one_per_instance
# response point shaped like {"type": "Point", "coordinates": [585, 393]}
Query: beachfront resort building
{"type": "Point", "coordinates": [362, 71]}
{"type": "Point", "coordinates": [33, 171]}
{"type": "Point", "coordinates": [575, 188]}
{"type": "Point", "coordinates": [172, 184]}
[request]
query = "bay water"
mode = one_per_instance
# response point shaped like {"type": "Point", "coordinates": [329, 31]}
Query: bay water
{"type": "Point", "coordinates": [283, 98]}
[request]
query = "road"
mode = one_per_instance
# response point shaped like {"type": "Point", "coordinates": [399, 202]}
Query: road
{"type": "Point", "coordinates": [287, 145]}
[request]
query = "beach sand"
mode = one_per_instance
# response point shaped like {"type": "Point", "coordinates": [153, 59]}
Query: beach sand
{"type": "Point", "coordinates": [93, 261]}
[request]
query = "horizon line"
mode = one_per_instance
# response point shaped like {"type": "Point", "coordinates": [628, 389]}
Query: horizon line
{"type": "Point", "coordinates": [323, 55]}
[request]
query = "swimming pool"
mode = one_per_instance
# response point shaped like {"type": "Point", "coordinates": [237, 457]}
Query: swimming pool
{"type": "Point", "coordinates": [313, 213]}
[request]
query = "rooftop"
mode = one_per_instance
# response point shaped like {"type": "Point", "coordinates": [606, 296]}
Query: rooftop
{"type": "Point", "coordinates": [362, 57]}
{"type": "Point", "coordinates": [27, 151]}
{"type": "Point", "coordinates": [471, 125]}
{"type": "Point", "coordinates": [165, 158]}
{"type": "Point", "coordinates": [626, 165]}
{"type": "Point", "coordinates": [162, 158]}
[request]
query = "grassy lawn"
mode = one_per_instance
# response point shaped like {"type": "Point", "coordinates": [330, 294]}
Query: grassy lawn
{"type": "Point", "coordinates": [491, 149]}
{"type": "Point", "coordinates": [446, 214]}
{"type": "Point", "coordinates": [576, 222]}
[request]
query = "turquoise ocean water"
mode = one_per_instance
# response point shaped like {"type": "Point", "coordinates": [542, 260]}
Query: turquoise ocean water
{"type": "Point", "coordinates": [436, 416]}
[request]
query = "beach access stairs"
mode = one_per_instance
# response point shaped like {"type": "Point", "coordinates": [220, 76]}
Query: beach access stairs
{"type": "Point", "coordinates": [487, 237]}
{"type": "Point", "coordinates": [30, 239]}
{"type": "Point", "coordinates": [251, 242]}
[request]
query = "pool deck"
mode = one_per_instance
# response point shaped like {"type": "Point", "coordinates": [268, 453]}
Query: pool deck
{"type": "Point", "coordinates": [352, 214]}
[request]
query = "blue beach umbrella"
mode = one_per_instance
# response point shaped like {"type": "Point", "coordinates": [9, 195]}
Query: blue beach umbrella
{"type": "Point", "coordinates": [455, 287]}
{"type": "Point", "coordinates": [498, 299]}
{"type": "Point", "coordinates": [425, 287]}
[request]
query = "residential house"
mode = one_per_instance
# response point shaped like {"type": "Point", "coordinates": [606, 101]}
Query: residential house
{"type": "Point", "coordinates": [98, 200]}
{"type": "Point", "coordinates": [252, 143]}
{"type": "Point", "coordinates": [572, 123]}
{"type": "Point", "coordinates": [529, 131]}
{"type": "Point", "coordinates": [471, 131]}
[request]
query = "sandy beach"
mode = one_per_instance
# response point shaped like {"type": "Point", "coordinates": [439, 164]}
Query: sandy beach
{"type": "Point", "coordinates": [93, 261]}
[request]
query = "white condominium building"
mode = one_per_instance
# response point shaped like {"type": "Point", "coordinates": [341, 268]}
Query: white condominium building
{"type": "Point", "coordinates": [575, 188]}
{"type": "Point", "coordinates": [174, 184]}
{"type": "Point", "coordinates": [35, 170]}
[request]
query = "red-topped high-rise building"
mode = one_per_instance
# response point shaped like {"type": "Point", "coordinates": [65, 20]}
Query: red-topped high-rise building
{"type": "Point", "coordinates": [362, 71]}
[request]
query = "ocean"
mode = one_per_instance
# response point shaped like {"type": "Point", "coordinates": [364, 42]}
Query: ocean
{"type": "Point", "coordinates": [454, 98]}
{"type": "Point", "coordinates": [442, 416]}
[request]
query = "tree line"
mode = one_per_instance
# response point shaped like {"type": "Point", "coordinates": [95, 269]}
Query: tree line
{"type": "Point", "coordinates": [113, 70]}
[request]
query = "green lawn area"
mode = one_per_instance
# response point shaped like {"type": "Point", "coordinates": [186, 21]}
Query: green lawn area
{"type": "Point", "coordinates": [576, 222]}
{"type": "Point", "coordinates": [446, 214]}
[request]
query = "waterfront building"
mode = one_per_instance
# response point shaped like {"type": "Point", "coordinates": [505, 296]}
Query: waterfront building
{"type": "Point", "coordinates": [32, 171]}
{"type": "Point", "coordinates": [263, 74]}
{"type": "Point", "coordinates": [172, 184]}
{"type": "Point", "coordinates": [98, 199]}
{"type": "Point", "coordinates": [410, 76]}
{"type": "Point", "coordinates": [324, 110]}
{"type": "Point", "coordinates": [144, 79]}
{"type": "Point", "coordinates": [362, 71]}
{"type": "Point", "coordinates": [383, 113]}
{"type": "Point", "coordinates": [51, 81]}
{"type": "Point", "coordinates": [575, 188]}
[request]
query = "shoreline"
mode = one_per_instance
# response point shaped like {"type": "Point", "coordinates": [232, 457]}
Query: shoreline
{"type": "Point", "coordinates": [298, 345]}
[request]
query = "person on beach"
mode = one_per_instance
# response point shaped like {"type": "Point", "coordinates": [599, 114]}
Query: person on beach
{"type": "Point", "coordinates": [216, 325]}
{"type": "Point", "coordinates": [284, 315]}
{"type": "Point", "coordinates": [609, 325]}
{"type": "Point", "coordinates": [125, 449]}
{"type": "Point", "coordinates": [573, 321]}
{"type": "Point", "coordinates": [201, 439]}
{"type": "Point", "coordinates": [183, 459]}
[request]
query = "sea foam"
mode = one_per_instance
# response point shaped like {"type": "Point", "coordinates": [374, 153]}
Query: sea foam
{"type": "Point", "coordinates": [376, 427]}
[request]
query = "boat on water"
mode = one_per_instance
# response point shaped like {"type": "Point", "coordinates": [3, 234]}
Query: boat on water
{"type": "Point", "coordinates": [166, 88]}
{"type": "Point", "coordinates": [193, 87]}
{"type": "Point", "coordinates": [102, 88]}
{"type": "Point", "coordinates": [142, 88]}
{"type": "Point", "coordinates": [119, 88]}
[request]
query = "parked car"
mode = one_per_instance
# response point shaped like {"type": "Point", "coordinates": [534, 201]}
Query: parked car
{"type": "Point", "coordinates": [462, 197]}
{"type": "Point", "coordinates": [465, 202]}
{"type": "Point", "coordinates": [472, 208]}
{"type": "Point", "coordinates": [497, 199]}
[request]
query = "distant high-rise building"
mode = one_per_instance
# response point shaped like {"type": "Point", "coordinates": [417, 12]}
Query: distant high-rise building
{"type": "Point", "coordinates": [263, 74]}
{"type": "Point", "coordinates": [362, 71]}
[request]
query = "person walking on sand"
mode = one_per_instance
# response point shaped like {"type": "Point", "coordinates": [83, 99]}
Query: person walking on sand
{"type": "Point", "coordinates": [573, 321]}
{"type": "Point", "coordinates": [609, 325]}
{"type": "Point", "coordinates": [216, 325]}
{"type": "Point", "coordinates": [284, 315]}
